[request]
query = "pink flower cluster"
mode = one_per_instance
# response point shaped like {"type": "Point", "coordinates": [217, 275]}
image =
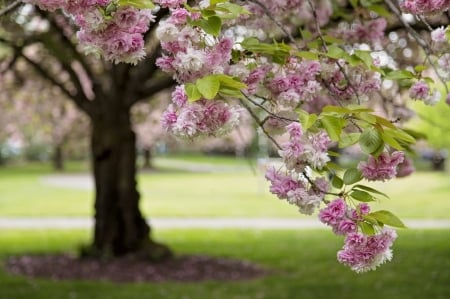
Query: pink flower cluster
{"type": "Point", "coordinates": [405, 168]}
{"type": "Point", "coordinates": [342, 218]}
{"type": "Point", "coordinates": [421, 91]}
{"type": "Point", "coordinates": [424, 7]}
{"type": "Point", "coordinates": [201, 118]}
{"type": "Point", "coordinates": [368, 32]}
{"type": "Point", "coordinates": [291, 12]}
{"type": "Point", "coordinates": [296, 189]}
{"type": "Point", "coordinates": [170, 3]}
{"type": "Point", "coordinates": [295, 83]}
{"type": "Point", "coordinates": [360, 84]}
{"type": "Point", "coordinates": [116, 32]}
{"type": "Point", "coordinates": [304, 149]}
{"type": "Point", "coordinates": [363, 253]}
{"type": "Point", "coordinates": [190, 53]}
{"type": "Point", "coordinates": [383, 167]}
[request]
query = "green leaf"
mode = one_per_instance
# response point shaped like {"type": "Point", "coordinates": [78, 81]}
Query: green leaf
{"type": "Point", "coordinates": [358, 108]}
{"type": "Point", "coordinates": [337, 109]}
{"type": "Point", "coordinates": [306, 34]}
{"type": "Point", "coordinates": [333, 125]}
{"type": "Point", "coordinates": [335, 52]}
{"type": "Point", "coordinates": [420, 68]}
{"type": "Point", "coordinates": [334, 166]}
{"type": "Point", "coordinates": [227, 10]}
{"type": "Point", "coordinates": [400, 135]}
{"type": "Point", "coordinates": [361, 196]}
{"type": "Point", "coordinates": [206, 13]}
{"type": "Point", "coordinates": [384, 122]}
{"type": "Point", "coordinates": [370, 220]}
{"type": "Point", "coordinates": [354, 3]}
{"type": "Point", "coordinates": [369, 189]}
{"type": "Point", "coordinates": [370, 141]}
{"type": "Point", "coordinates": [351, 176]}
{"type": "Point", "coordinates": [348, 139]}
{"type": "Point", "coordinates": [307, 55]}
{"type": "Point", "coordinates": [365, 57]}
{"type": "Point", "coordinates": [230, 82]}
{"type": "Point", "coordinates": [367, 228]}
{"type": "Point", "coordinates": [379, 10]}
{"type": "Point", "coordinates": [391, 141]}
{"type": "Point", "coordinates": [230, 92]}
{"type": "Point", "coordinates": [387, 218]}
{"type": "Point", "coordinates": [399, 74]}
{"type": "Point", "coordinates": [214, 24]}
{"type": "Point", "coordinates": [368, 117]}
{"type": "Point", "coordinates": [306, 120]}
{"type": "Point", "coordinates": [277, 51]}
{"type": "Point", "coordinates": [208, 86]}
{"type": "Point", "coordinates": [192, 92]}
{"type": "Point", "coordinates": [214, 2]}
{"type": "Point", "coordinates": [337, 182]}
{"type": "Point", "coordinates": [332, 40]}
{"type": "Point", "coordinates": [141, 4]}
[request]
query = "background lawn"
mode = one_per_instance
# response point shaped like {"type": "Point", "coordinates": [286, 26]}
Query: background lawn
{"type": "Point", "coordinates": [235, 191]}
{"type": "Point", "coordinates": [303, 262]}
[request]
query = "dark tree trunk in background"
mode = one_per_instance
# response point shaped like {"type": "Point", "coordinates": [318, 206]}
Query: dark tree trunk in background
{"type": "Point", "coordinates": [120, 228]}
{"type": "Point", "coordinates": [147, 159]}
{"type": "Point", "coordinates": [58, 158]}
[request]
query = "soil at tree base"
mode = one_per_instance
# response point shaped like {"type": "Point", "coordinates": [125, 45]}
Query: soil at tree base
{"type": "Point", "coordinates": [186, 268]}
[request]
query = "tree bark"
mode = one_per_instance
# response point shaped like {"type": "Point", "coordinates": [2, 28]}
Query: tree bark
{"type": "Point", "coordinates": [58, 158]}
{"type": "Point", "coordinates": [120, 228]}
{"type": "Point", "coordinates": [147, 153]}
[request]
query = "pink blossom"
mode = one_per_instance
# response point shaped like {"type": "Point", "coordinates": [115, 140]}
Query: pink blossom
{"type": "Point", "coordinates": [179, 16]}
{"type": "Point", "coordinates": [170, 3]}
{"type": "Point", "coordinates": [363, 254]}
{"type": "Point", "coordinates": [179, 96]}
{"type": "Point", "coordinates": [419, 90]}
{"type": "Point", "coordinates": [281, 184]}
{"type": "Point", "coordinates": [333, 213]}
{"type": "Point", "coordinates": [405, 168]}
{"type": "Point", "coordinates": [295, 130]}
{"type": "Point", "coordinates": [383, 167]}
{"type": "Point", "coordinates": [345, 226]}
{"type": "Point", "coordinates": [438, 35]}
{"type": "Point", "coordinates": [126, 17]}
{"type": "Point", "coordinates": [424, 7]}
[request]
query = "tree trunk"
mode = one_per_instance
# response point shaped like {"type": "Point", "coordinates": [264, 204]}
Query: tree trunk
{"type": "Point", "coordinates": [58, 158]}
{"type": "Point", "coordinates": [147, 159]}
{"type": "Point", "coordinates": [120, 228]}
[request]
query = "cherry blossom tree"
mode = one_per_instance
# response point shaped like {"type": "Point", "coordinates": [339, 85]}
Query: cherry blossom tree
{"type": "Point", "coordinates": [146, 124]}
{"type": "Point", "coordinates": [35, 117]}
{"type": "Point", "coordinates": [325, 73]}
{"type": "Point", "coordinates": [105, 93]}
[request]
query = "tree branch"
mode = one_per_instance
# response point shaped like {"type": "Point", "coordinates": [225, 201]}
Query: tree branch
{"type": "Point", "coordinates": [79, 100]}
{"type": "Point", "coordinates": [154, 87]}
{"type": "Point", "coordinates": [68, 43]}
{"type": "Point", "coordinates": [10, 7]}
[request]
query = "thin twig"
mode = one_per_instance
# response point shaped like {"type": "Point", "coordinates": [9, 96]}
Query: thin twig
{"type": "Point", "coordinates": [423, 44]}
{"type": "Point", "coordinates": [10, 7]}
{"type": "Point", "coordinates": [324, 45]}
{"type": "Point", "coordinates": [260, 124]}
{"type": "Point", "coordinates": [268, 111]}
{"type": "Point", "coordinates": [272, 18]}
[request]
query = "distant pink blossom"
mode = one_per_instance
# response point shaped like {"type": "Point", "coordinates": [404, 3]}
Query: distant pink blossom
{"type": "Point", "coordinates": [381, 168]}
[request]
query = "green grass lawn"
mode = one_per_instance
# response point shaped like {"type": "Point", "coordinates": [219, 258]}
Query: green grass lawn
{"type": "Point", "coordinates": [229, 194]}
{"type": "Point", "coordinates": [303, 264]}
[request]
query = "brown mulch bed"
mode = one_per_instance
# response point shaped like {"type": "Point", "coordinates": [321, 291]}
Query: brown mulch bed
{"type": "Point", "coordinates": [189, 268]}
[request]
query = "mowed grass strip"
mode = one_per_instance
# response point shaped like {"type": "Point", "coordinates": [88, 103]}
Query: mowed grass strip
{"type": "Point", "coordinates": [303, 264]}
{"type": "Point", "coordinates": [240, 193]}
